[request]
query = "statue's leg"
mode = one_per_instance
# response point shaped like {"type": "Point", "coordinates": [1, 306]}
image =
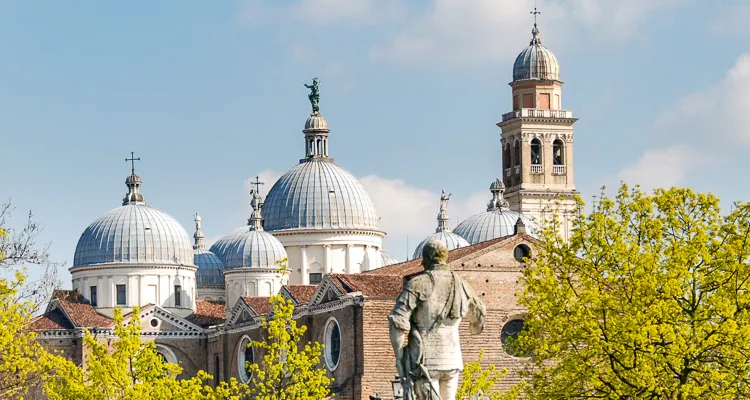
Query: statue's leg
{"type": "Point", "coordinates": [423, 387]}
{"type": "Point", "coordinates": [448, 384]}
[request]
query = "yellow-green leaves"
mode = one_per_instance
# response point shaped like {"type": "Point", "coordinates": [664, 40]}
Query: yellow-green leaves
{"type": "Point", "coordinates": [289, 371]}
{"type": "Point", "coordinates": [124, 368]}
{"type": "Point", "coordinates": [649, 299]}
{"type": "Point", "coordinates": [24, 363]}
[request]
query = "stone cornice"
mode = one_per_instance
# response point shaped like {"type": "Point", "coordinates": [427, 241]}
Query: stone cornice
{"type": "Point", "coordinates": [107, 266]}
{"type": "Point", "coordinates": [290, 232]}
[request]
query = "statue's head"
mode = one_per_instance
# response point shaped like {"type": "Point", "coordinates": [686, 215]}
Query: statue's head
{"type": "Point", "coordinates": [434, 252]}
{"type": "Point", "coordinates": [315, 80]}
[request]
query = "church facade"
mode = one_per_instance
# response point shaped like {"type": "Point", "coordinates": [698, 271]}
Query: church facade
{"type": "Point", "coordinates": [202, 306]}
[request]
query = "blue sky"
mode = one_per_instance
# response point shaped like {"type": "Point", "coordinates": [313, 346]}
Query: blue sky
{"type": "Point", "coordinates": [209, 94]}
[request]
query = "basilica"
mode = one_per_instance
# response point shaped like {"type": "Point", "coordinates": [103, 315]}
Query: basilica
{"type": "Point", "coordinates": [201, 306]}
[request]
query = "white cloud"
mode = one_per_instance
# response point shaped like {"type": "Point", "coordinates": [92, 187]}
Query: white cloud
{"type": "Point", "coordinates": [471, 32]}
{"type": "Point", "coordinates": [664, 167]}
{"type": "Point", "coordinates": [719, 112]}
{"type": "Point", "coordinates": [353, 12]}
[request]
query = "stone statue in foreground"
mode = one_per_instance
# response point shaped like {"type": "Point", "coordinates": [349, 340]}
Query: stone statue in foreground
{"type": "Point", "coordinates": [424, 327]}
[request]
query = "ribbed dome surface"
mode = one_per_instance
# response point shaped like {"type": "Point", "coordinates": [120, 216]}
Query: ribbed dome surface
{"type": "Point", "coordinates": [452, 240]}
{"type": "Point", "coordinates": [536, 62]}
{"type": "Point", "coordinates": [316, 122]}
{"type": "Point", "coordinates": [135, 234]}
{"type": "Point", "coordinates": [318, 194]}
{"type": "Point", "coordinates": [247, 247]}
{"type": "Point", "coordinates": [210, 269]}
{"type": "Point", "coordinates": [387, 259]}
{"type": "Point", "coordinates": [492, 225]}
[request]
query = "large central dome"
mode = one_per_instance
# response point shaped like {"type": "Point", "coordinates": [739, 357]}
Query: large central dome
{"type": "Point", "coordinates": [318, 194]}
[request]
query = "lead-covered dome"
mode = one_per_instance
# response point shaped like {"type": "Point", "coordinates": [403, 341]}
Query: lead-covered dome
{"type": "Point", "coordinates": [536, 62]}
{"type": "Point", "coordinates": [318, 194]}
{"type": "Point", "coordinates": [443, 232]}
{"type": "Point", "coordinates": [134, 234]}
{"type": "Point", "coordinates": [250, 246]}
{"type": "Point", "coordinates": [387, 259]}
{"type": "Point", "coordinates": [451, 240]}
{"type": "Point", "coordinates": [496, 222]}
{"type": "Point", "coordinates": [210, 268]}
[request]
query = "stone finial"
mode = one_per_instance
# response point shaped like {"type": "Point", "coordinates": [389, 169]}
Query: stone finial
{"type": "Point", "coordinates": [198, 235]}
{"type": "Point", "coordinates": [520, 227]}
{"type": "Point", "coordinates": [443, 214]}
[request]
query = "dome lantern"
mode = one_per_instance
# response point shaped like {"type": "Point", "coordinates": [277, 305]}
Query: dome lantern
{"type": "Point", "coordinates": [443, 232]}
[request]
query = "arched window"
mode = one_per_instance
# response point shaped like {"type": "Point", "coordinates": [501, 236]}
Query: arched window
{"type": "Point", "coordinates": [332, 344]}
{"type": "Point", "coordinates": [517, 153]}
{"type": "Point", "coordinates": [536, 152]}
{"type": "Point", "coordinates": [245, 358]}
{"type": "Point", "coordinates": [166, 354]}
{"type": "Point", "coordinates": [506, 156]}
{"type": "Point", "coordinates": [509, 336]}
{"type": "Point", "coordinates": [557, 152]}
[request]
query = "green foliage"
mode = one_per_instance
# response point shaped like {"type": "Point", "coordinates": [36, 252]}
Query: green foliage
{"type": "Point", "coordinates": [476, 380]}
{"type": "Point", "coordinates": [127, 369]}
{"type": "Point", "coordinates": [288, 371]}
{"type": "Point", "coordinates": [649, 299]}
{"type": "Point", "coordinates": [24, 363]}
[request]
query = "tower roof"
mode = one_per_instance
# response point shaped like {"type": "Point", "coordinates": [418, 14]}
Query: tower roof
{"type": "Point", "coordinates": [536, 62]}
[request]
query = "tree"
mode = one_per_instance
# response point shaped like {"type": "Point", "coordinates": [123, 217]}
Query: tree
{"type": "Point", "coordinates": [21, 250]}
{"type": "Point", "coordinates": [132, 370]}
{"type": "Point", "coordinates": [24, 363]}
{"type": "Point", "coordinates": [289, 371]}
{"type": "Point", "coordinates": [649, 299]}
{"type": "Point", "coordinates": [476, 381]}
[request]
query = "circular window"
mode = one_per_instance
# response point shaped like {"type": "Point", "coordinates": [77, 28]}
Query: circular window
{"type": "Point", "coordinates": [332, 344]}
{"type": "Point", "coordinates": [154, 322]}
{"type": "Point", "coordinates": [521, 251]}
{"type": "Point", "coordinates": [245, 357]}
{"type": "Point", "coordinates": [509, 336]}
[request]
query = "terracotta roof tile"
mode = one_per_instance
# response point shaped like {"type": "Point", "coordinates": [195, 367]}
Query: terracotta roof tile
{"type": "Point", "coordinates": [208, 313]}
{"type": "Point", "coordinates": [261, 305]}
{"type": "Point", "coordinates": [302, 294]}
{"type": "Point", "coordinates": [54, 319]}
{"type": "Point", "coordinates": [79, 310]}
{"type": "Point", "coordinates": [369, 285]}
{"type": "Point", "coordinates": [413, 266]}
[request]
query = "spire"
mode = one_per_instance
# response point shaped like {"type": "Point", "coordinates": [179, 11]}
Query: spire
{"type": "Point", "coordinates": [198, 235]}
{"type": "Point", "coordinates": [535, 39]}
{"type": "Point", "coordinates": [133, 182]}
{"type": "Point", "coordinates": [443, 214]}
{"type": "Point", "coordinates": [498, 202]}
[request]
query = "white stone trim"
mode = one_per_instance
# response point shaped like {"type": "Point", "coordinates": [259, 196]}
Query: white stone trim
{"type": "Point", "coordinates": [327, 332]}
{"type": "Point", "coordinates": [168, 353]}
{"type": "Point", "coordinates": [241, 369]}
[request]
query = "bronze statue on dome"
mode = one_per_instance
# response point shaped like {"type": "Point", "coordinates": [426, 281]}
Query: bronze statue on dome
{"type": "Point", "coordinates": [314, 95]}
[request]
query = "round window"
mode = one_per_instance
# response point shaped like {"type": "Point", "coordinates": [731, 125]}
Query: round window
{"type": "Point", "coordinates": [332, 344]}
{"type": "Point", "coordinates": [245, 358]}
{"type": "Point", "coordinates": [509, 336]}
{"type": "Point", "coordinates": [521, 251]}
{"type": "Point", "coordinates": [154, 322]}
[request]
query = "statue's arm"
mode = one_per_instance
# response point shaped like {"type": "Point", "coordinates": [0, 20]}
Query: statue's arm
{"type": "Point", "coordinates": [477, 311]}
{"type": "Point", "coordinates": [308, 86]}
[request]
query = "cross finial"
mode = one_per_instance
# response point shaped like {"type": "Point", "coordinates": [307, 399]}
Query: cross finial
{"type": "Point", "coordinates": [535, 12]}
{"type": "Point", "coordinates": [257, 184]}
{"type": "Point", "coordinates": [132, 160]}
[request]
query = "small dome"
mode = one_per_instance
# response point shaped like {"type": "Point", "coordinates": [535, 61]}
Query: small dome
{"type": "Point", "coordinates": [496, 222]}
{"type": "Point", "coordinates": [536, 62]}
{"type": "Point", "coordinates": [492, 225]}
{"type": "Point", "coordinates": [247, 247]}
{"type": "Point", "coordinates": [318, 194]}
{"type": "Point", "coordinates": [316, 122]}
{"type": "Point", "coordinates": [387, 259]}
{"type": "Point", "coordinates": [210, 269]}
{"type": "Point", "coordinates": [135, 234]}
{"type": "Point", "coordinates": [451, 240]}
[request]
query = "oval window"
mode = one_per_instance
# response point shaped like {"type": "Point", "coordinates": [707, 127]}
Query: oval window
{"type": "Point", "coordinates": [520, 252]}
{"type": "Point", "coordinates": [333, 344]}
{"type": "Point", "coordinates": [509, 336]}
{"type": "Point", "coordinates": [245, 358]}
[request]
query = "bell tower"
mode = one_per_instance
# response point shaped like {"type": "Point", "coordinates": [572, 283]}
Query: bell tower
{"type": "Point", "coordinates": [537, 140]}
